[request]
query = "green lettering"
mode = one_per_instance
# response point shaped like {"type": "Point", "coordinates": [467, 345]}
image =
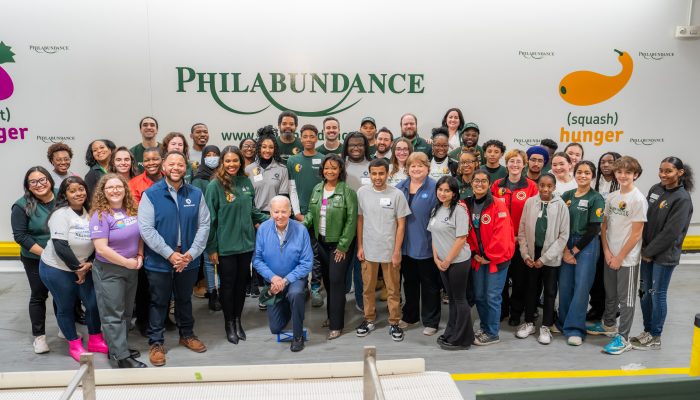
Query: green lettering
{"type": "Point", "coordinates": [322, 84]}
{"type": "Point", "coordinates": [415, 83]}
{"type": "Point", "coordinates": [201, 80]}
{"type": "Point", "coordinates": [392, 85]}
{"type": "Point", "coordinates": [236, 83]}
{"type": "Point", "coordinates": [278, 84]}
{"type": "Point", "coordinates": [337, 78]}
{"type": "Point", "coordinates": [259, 83]}
{"type": "Point", "coordinates": [374, 80]}
{"type": "Point", "coordinates": [357, 83]}
{"type": "Point", "coordinates": [181, 80]}
{"type": "Point", "coordinates": [293, 82]}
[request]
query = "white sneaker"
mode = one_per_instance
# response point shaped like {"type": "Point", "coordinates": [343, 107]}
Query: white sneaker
{"type": "Point", "coordinates": [553, 329]}
{"type": "Point", "coordinates": [405, 325]}
{"type": "Point", "coordinates": [40, 345]}
{"type": "Point", "coordinates": [545, 335]}
{"type": "Point", "coordinates": [574, 341]}
{"type": "Point", "coordinates": [428, 331]}
{"type": "Point", "coordinates": [525, 330]}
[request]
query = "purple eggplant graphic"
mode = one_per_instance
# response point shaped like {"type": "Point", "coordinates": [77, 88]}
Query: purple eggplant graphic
{"type": "Point", "coordinates": [6, 85]}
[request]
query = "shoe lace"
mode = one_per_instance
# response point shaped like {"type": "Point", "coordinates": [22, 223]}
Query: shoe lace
{"type": "Point", "coordinates": [157, 348]}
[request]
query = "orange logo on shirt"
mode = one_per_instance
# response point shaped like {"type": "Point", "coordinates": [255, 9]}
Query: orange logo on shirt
{"type": "Point", "coordinates": [295, 150]}
{"type": "Point", "coordinates": [663, 204]}
{"type": "Point", "coordinates": [568, 203]}
{"type": "Point", "coordinates": [256, 171]}
{"type": "Point", "coordinates": [599, 212]}
{"type": "Point", "coordinates": [485, 219]}
{"type": "Point", "coordinates": [520, 196]}
{"type": "Point", "coordinates": [229, 197]}
{"type": "Point", "coordinates": [297, 167]}
{"type": "Point", "coordinates": [622, 205]}
{"type": "Point", "coordinates": [501, 191]}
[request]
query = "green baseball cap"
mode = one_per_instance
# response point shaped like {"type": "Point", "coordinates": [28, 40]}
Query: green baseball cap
{"type": "Point", "coordinates": [471, 125]}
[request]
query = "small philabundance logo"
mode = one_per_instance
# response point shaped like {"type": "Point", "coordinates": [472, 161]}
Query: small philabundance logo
{"type": "Point", "coordinates": [535, 55]}
{"type": "Point", "coordinates": [646, 141]}
{"type": "Point", "coordinates": [55, 139]}
{"type": "Point", "coordinates": [297, 83]}
{"type": "Point", "coordinates": [48, 49]}
{"type": "Point", "coordinates": [655, 55]}
{"type": "Point", "coordinates": [528, 141]}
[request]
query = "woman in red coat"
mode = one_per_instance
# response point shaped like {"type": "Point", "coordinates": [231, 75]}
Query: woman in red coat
{"type": "Point", "coordinates": [492, 244]}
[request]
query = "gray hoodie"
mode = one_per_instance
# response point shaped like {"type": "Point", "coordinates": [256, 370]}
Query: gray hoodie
{"type": "Point", "coordinates": [557, 230]}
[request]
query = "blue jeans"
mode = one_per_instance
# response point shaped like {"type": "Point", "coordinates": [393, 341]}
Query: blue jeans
{"type": "Point", "coordinates": [487, 295]}
{"type": "Point", "coordinates": [292, 307]}
{"type": "Point", "coordinates": [165, 285]}
{"type": "Point", "coordinates": [575, 281]}
{"type": "Point", "coordinates": [209, 273]}
{"type": "Point", "coordinates": [65, 293]}
{"type": "Point", "coordinates": [653, 284]}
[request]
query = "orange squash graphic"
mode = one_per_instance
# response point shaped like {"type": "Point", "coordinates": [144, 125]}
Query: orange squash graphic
{"type": "Point", "coordinates": [585, 88]}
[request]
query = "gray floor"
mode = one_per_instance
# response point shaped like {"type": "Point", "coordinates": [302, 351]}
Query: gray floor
{"type": "Point", "coordinates": [262, 348]}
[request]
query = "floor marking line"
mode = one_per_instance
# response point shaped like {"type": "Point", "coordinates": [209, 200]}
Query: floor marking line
{"type": "Point", "coordinates": [593, 373]}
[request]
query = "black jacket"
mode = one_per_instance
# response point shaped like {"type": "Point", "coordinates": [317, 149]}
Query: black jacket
{"type": "Point", "coordinates": [668, 218]}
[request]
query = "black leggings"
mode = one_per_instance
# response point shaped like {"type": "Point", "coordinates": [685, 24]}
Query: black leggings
{"type": "Point", "coordinates": [234, 274]}
{"type": "Point", "coordinates": [459, 330]}
{"type": "Point", "coordinates": [421, 283]}
{"type": "Point", "coordinates": [37, 297]}
{"type": "Point", "coordinates": [549, 277]}
{"type": "Point", "coordinates": [333, 274]}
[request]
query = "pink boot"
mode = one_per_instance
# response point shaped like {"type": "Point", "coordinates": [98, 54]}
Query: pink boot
{"type": "Point", "coordinates": [96, 344]}
{"type": "Point", "coordinates": [75, 348]}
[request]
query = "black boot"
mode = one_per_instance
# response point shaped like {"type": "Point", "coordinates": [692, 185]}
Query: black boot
{"type": "Point", "coordinates": [231, 334]}
{"type": "Point", "coordinates": [239, 328]}
{"type": "Point", "coordinates": [79, 313]}
{"type": "Point", "coordinates": [214, 304]}
{"type": "Point", "coordinates": [130, 362]}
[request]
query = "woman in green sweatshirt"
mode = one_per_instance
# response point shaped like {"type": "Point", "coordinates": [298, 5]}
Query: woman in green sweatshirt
{"type": "Point", "coordinates": [231, 241]}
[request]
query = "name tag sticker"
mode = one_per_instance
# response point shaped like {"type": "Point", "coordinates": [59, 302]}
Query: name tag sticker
{"type": "Point", "coordinates": [540, 214]}
{"type": "Point", "coordinates": [654, 196]}
{"type": "Point", "coordinates": [365, 181]}
{"type": "Point", "coordinates": [432, 221]}
{"type": "Point", "coordinates": [502, 214]}
{"type": "Point", "coordinates": [119, 215]}
{"type": "Point", "coordinates": [316, 161]}
{"type": "Point", "coordinates": [385, 202]}
{"type": "Point", "coordinates": [258, 178]}
{"type": "Point", "coordinates": [583, 203]}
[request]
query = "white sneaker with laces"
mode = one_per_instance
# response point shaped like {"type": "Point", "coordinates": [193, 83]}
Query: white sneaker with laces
{"type": "Point", "coordinates": [428, 331]}
{"type": "Point", "coordinates": [525, 330]}
{"type": "Point", "coordinates": [40, 345]}
{"type": "Point", "coordinates": [574, 341]}
{"type": "Point", "coordinates": [545, 335]}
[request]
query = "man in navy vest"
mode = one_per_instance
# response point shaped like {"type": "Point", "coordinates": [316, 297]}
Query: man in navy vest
{"type": "Point", "coordinates": [174, 224]}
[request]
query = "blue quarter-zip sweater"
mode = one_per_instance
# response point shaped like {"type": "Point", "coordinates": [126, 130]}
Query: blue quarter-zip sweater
{"type": "Point", "coordinates": [417, 241]}
{"type": "Point", "coordinates": [160, 219]}
{"type": "Point", "coordinates": [291, 260]}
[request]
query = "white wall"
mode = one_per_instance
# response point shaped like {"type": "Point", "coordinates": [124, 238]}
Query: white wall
{"type": "Point", "coordinates": [121, 58]}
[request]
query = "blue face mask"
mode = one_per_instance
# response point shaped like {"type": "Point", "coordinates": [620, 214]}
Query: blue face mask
{"type": "Point", "coordinates": [211, 162]}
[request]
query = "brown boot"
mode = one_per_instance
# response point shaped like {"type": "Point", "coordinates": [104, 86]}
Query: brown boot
{"type": "Point", "coordinates": [193, 343]}
{"type": "Point", "coordinates": [201, 289]}
{"type": "Point", "coordinates": [156, 355]}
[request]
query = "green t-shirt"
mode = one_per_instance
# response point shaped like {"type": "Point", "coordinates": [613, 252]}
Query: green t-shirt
{"type": "Point", "coordinates": [372, 151]}
{"type": "Point", "coordinates": [419, 144]}
{"type": "Point", "coordinates": [496, 173]}
{"type": "Point", "coordinates": [541, 226]}
{"type": "Point", "coordinates": [324, 151]}
{"type": "Point", "coordinates": [137, 151]}
{"type": "Point", "coordinates": [303, 171]}
{"type": "Point", "coordinates": [585, 209]}
{"type": "Point", "coordinates": [289, 149]}
{"type": "Point", "coordinates": [465, 189]}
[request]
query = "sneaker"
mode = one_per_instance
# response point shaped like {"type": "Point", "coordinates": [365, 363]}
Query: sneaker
{"type": "Point", "coordinates": [617, 346]}
{"type": "Point", "coordinates": [650, 343]}
{"type": "Point", "coordinates": [485, 339]}
{"type": "Point", "coordinates": [429, 331]}
{"type": "Point", "coordinates": [396, 333]}
{"type": "Point", "coordinates": [262, 307]}
{"type": "Point", "coordinates": [365, 328]}
{"type": "Point", "coordinates": [525, 330]}
{"type": "Point", "coordinates": [574, 341]}
{"type": "Point", "coordinates": [200, 290]}
{"type": "Point", "coordinates": [171, 308]}
{"type": "Point", "coordinates": [247, 290]}
{"type": "Point", "coordinates": [316, 298]}
{"type": "Point", "coordinates": [156, 355]}
{"type": "Point", "coordinates": [40, 345]}
{"type": "Point", "coordinates": [405, 325]}
{"type": "Point", "coordinates": [445, 297]}
{"type": "Point", "coordinates": [193, 343]}
{"type": "Point", "coordinates": [545, 335]}
{"type": "Point", "coordinates": [640, 340]}
{"type": "Point", "coordinates": [553, 329]}
{"type": "Point", "coordinates": [599, 328]}
{"type": "Point", "coordinates": [254, 291]}
{"type": "Point", "coordinates": [297, 344]}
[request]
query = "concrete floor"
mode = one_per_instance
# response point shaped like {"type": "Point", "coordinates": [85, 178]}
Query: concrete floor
{"type": "Point", "coordinates": [262, 348]}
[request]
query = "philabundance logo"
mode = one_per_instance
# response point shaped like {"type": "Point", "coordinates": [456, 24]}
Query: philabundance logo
{"type": "Point", "coordinates": [302, 83]}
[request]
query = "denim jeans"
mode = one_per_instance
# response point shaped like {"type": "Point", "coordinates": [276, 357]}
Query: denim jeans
{"type": "Point", "coordinates": [65, 293]}
{"type": "Point", "coordinates": [653, 284]}
{"type": "Point", "coordinates": [209, 273]}
{"type": "Point", "coordinates": [487, 295]}
{"type": "Point", "coordinates": [163, 286]}
{"type": "Point", "coordinates": [575, 281]}
{"type": "Point", "coordinates": [291, 307]}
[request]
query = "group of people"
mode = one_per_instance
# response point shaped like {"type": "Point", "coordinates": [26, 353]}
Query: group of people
{"type": "Point", "coordinates": [437, 220]}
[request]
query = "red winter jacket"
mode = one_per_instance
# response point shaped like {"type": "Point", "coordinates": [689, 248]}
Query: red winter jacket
{"type": "Point", "coordinates": [495, 234]}
{"type": "Point", "coordinates": [514, 201]}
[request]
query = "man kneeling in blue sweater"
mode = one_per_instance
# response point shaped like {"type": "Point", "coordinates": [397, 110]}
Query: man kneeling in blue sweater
{"type": "Point", "coordinates": [283, 256]}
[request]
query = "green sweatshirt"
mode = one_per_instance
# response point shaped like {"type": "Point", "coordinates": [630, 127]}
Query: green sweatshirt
{"type": "Point", "coordinates": [233, 216]}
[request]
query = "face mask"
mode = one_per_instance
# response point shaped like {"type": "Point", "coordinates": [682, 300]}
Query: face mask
{"type": "Point", "coordinates": [211, 162]}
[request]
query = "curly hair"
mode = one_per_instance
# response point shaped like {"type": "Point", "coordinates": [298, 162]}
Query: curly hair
{"type": "Point", "coordinates": [267, 133]}
{"type": "Point", "coordinates": [225, 180]}
{"type": "Point", "coordinates": [100, 204]}
{"type": "Point", "coordinates": [56, 147]}
{"type": "Point", "coordinates": [89, 158]}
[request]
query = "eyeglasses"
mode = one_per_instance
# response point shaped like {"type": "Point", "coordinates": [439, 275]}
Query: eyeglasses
{"type": "Point", "coordinates": [536, 161]}
{"type": "Point", "coordinates": [38, 182]}
{"type": "Point", "coordinates": [355, 145]}
{"type": "Point", "coordinates": [118, 188]}
{"type": "Point", "coordinates": [248, 147]}
{"type": "Point", "coordinates": [480, 181]}
{"type": "Point", "coordinates": [61, 160]}
{"type": "Point", "coordinates": [397, 150]}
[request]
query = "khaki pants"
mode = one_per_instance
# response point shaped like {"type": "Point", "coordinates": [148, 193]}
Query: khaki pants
{"type": "Point", "coordinates": [392, 280]}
